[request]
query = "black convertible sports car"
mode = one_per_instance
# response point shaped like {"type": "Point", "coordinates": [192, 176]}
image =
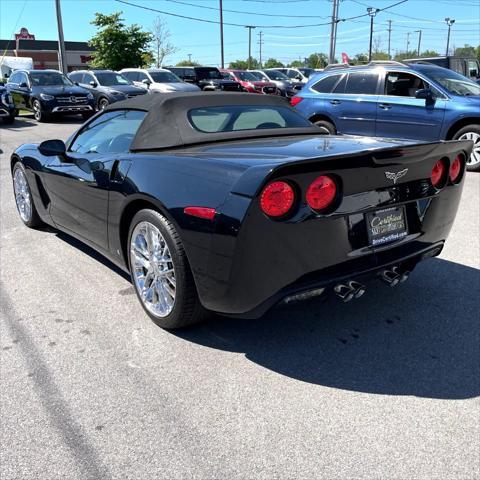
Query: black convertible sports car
{"type": "Point", "coordinates": [233, 202]}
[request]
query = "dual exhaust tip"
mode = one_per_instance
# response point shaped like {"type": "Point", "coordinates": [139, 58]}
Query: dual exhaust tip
{"type": "Point", "coordinates": [348, 291]}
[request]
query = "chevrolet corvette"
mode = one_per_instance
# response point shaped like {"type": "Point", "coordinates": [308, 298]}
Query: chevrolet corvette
{"type": "Point", "coordinates": [233, 203]}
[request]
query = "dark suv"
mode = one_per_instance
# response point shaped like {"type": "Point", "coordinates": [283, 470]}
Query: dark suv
{"type": "Point", "coordinates": [7, 108]}
{"type": "Point", "coordinates": [49, 92]}
{"type": "Point", "coordinates": [106, 86]}
{"type": "Point", "coordinates": [207, 78]}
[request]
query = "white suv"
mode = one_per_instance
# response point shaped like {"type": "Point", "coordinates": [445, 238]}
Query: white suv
{"type": "Point", "coordinates": [157, 80]}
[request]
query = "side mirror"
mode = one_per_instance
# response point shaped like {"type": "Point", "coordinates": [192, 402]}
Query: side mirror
{"type": "Point", "coordinates": [53, 148]}
{"type": "Point", "coordinates": [93, 83]}
{"type": "Point", "coordinates": [424, 93]}
{"type": "Point", "coordinates": [23, 85]}
{"type": "Point", "coordinates": [146, 82]}
{"type": "Point", "coordinates": [75, 83]}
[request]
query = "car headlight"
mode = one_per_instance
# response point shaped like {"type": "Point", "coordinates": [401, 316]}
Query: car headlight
{"type": "Point", "coordinates": [90, 96]}
{"type": "Point", "coordinates": [7, 99]}
{"type": "Point", "coordinates": [44, 96]}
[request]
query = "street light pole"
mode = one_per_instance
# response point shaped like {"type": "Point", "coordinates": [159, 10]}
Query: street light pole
{"type": "Point", "coordinates": [249, 45]}
{"type": "Point", "coordinates": [419, 41]}
{"type": "Point", "coordinates": [371, 12]}
{"type": "Point", "coordinates": [222, 59]}
{"type": "Point", "coordinates": [62, 56]}
{"type": "Point", "coordinates": [260, 43]}
{"type": "Point", "coordinates": [389, 37]}
{"type": "Point", "coordinates": [450, 22]}
{"type": "Point", "coordinates": [408, 41]}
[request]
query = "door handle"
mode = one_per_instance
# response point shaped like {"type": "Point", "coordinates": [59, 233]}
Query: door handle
{"type": "Point", "coordinates": [385, 106]}
{"type": "Point", "coordinates": [335, 102]}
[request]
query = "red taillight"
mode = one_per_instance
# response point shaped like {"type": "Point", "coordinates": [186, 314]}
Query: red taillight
{"type": "Point", "coordinates": [200, 212]}
{"type": "Point", "coordinates": [295, 101]}
{"type": "Point", "coordinates": [456, 169]}
{"type": "Point", "coordinates": [321, 193]}
{"type": "Point", "coordinates": [438, 173]}
{"type": "Point", "coordinates": [277, 199]}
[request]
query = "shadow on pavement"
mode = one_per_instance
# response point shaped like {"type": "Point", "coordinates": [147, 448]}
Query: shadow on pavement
{"type": "Point", "coordinates": [26, 121]}
{"type": "Point", "coordinates": [420, 339]}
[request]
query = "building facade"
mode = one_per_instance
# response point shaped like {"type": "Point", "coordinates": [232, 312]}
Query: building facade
{"type": "Point", "coordinates": [45, 52]}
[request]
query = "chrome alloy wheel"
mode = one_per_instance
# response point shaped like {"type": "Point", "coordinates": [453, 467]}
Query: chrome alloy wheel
{"type": "Point", "coordinates": [475, 156]}
{"type": "Point", "coordinates": [37, 110]}
{"type": "Point", "coordinates": [22, 195]}
{"type": "Point", "coordinates": [152, 269]}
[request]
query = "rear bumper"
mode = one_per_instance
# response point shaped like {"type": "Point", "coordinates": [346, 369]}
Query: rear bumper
{"type": "Point", "coordinates": [269, 260]}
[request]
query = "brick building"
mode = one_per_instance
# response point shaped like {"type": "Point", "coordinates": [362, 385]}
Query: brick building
{"type": "Point", "coordinates": [45, 52]}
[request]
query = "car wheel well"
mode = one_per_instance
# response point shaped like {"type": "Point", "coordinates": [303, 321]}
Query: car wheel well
{"type": "Point", "coordinates": [460, 124]}
{"type": "Point", "coordinates": [126, 219]}
{"type": "Point", "coordinates": [13, 161]}
{"type": "Point", "coordinates": [318, 116]}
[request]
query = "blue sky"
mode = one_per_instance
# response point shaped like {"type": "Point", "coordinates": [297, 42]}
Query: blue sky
{"type": "Point", "coordinates": [201, 40]}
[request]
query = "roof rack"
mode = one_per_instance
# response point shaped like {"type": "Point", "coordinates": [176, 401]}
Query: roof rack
{"type": "Point", "coordinates": [385, 62]}
{"type": "Point", "coordinates": [334, 66]}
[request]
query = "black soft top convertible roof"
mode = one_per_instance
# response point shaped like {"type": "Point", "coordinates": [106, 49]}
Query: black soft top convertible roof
{"type": "Point", "coordinates": [166, 124]}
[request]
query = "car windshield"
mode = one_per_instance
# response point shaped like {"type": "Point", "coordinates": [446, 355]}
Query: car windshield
{"type": "Point", "coordinates": [231, 118]}
{"type": "Point", "coordinates": [164, 77]}
{"type": "Point", "coordinates": [259, 76]}
{"type": "Point", "coordinates": [208, 73]}
{"type": "Point", "coordinates": [45, 79]}
{"type": "Point", "coordinates": [454, 82]}
{"type": "Point", "coordinates": [307, 71]}
{"type": "Point", "coordinates": [276, 75]}
{"type": "Point", "coordinates": [246, 76]}
{"type": "Point", "coordinates": [110, 78]}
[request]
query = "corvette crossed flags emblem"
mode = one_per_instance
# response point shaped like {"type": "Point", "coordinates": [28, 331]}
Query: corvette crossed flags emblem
{"type": "Point", "coordinates": [396, 176]}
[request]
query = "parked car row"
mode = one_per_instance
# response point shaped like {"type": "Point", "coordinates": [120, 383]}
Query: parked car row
{"type": "Point", "coordinates": [417, 101]}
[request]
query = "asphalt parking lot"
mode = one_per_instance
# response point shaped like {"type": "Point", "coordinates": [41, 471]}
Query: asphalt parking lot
{"type": "Point", "coordinates": [387, 386]}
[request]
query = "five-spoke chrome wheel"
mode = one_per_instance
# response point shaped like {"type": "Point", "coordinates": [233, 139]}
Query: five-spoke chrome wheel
{"type": "Point", "coordinates": [153, 270]}
{"type": "Point", "coordinates": [22, 195]}
{"type": "Point", "coordinates": [474, 159]}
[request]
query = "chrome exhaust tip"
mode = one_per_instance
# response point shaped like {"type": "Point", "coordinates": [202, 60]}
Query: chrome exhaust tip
{"type": "Point", "coordinates": [358, 288]}
{"type": "Point", "coordinates": [344, 292]}
{"type": "Point", "coordinates": [391, 277]}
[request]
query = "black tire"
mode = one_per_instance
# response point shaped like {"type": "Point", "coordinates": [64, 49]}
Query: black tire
{"type": "Point", "coordinates": [327, 127]}
{"type": "Point", "coordinates": [471, 132]}
{"type": "Point", "coordinates": [9, 120]}
{"type": "Point", "coordinates": [39, 113]}
{"type": "Point", "coordinates": [34, 220]}
{"type": "Point", "coordinates": [102, 103]}
{"type": "Point", "coordinates": [187, 309]}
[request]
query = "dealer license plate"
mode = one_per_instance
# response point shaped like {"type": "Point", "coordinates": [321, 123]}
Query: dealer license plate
{"type": "Point", "coordinates": [387, 225]}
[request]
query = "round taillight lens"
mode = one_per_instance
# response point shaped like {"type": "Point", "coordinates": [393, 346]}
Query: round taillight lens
{"type": "Point", "coordinates": [321, 193]}
{"type": "Point", "coordinates": [438, 173]}
{"type": "Point", "coordinates": [456, 169]}
{"type": "Point", "coordinates": [277, 199]}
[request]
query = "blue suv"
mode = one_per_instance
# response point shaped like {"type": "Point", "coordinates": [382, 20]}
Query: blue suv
{"type": "Point", "coordinates": [392, 99]}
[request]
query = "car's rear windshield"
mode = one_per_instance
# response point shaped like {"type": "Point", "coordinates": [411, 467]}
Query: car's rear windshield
{"type": "Point", "coordinates": [246, 76]}
{"type": "Point", "coordinates": [164, 77]}
{"type": "Point", "coordinates": [231, 118]}
{"type": "Point", "coordinates": [276, 75]}
{"type": "Point", "coordinates": [44, 79]}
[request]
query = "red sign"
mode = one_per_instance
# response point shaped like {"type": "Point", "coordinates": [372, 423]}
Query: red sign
{"type": "Point", "coordinates": [24, 35]}
{"type": "Point", "coordinates": [345, 58]}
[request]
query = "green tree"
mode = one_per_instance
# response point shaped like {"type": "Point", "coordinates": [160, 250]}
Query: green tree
{"type": "Point", "coordinates": [465, 51]}
{"type": "Point", "coordinates": [243, 64]}
{"type": "Point", "coordinates": [296, 64]}
{"type": "Point", "coordinates": [188, 63]}
{"type": "Point", "coordinates": [272, 63]}
{"type": "Point", "coordinates": [380, 56]}
{"type": "Point", "coordinates": [429, 53]}
{"type": "Point", "coordinates": [317, 60]}
{"type": "Point", "coordinates": [117, 45]}
{"type": "Point", "coordinates": [359, 59]}
{"type": "Point", "coordinates": [403, 55]}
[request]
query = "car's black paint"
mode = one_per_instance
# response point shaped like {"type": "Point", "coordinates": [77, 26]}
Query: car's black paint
{"type": "Point", "coordinates": [8, 111]}
{"type": "Point", "coordinates": [244, 262]}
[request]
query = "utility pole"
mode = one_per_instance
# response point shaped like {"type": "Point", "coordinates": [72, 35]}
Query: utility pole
{"type": "Point", "coordinates": [260, 43]}
{"type": "Point", "coordinates": [249, 45]}
{"type": "Point", "coordinates": [371, 12]}
{"type": "Point", "coordinates": [419, 41]}
{"type": "Point", "coordinates": [222, 62]}
{"type": "Point", "coordinates": [450, 22]}
{"type": "Point", "coordinates": [408, 41]}
{"type": "Point", "coordinates": [389, 37]}
{"type": "Point", "coordinates": [333, 32]}
{"type": "Point", "coordinates": [62, 57]}
{"type": "Point", "coordinates": [189, 58]}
